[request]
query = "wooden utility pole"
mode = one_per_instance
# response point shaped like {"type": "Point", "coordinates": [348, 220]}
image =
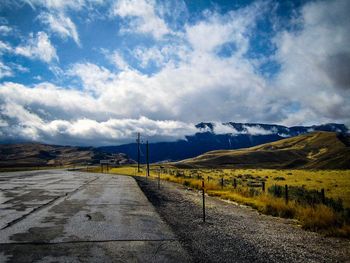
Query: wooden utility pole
{"type": "Point", "coordinates": [203, 199]}
{"type": "Point", "coordinates": [138, 152]}
{"type": "Point", "coordinates": [147, 158]}
{"type": "Point", "coordinates": [159, 179]}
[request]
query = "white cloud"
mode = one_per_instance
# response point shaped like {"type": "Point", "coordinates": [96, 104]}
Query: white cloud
{"type": "Point", "coordinates": [5, 71]}
{"type": "Point", "coordinates": [62, 5]}
{"type": "Point", "coordinates": [8, 69]}
{"type": "Point", "coordinates": [60, 24]}
{"type": "Point", "coordinates": [145, 56]}
{"type": "Point", "coordinates": [39, 47]}
{"type": "Point", "coordinates": [25, 107]}
{"type": "Point", "coordinates": [56, 101]}
{"type": "Point", "coordinates": [257, 130]}
{"type": "Point", "coordinates": [4, 47]}
{"type": "Point", "coordinates": [220, 128]}
{"type": "Point", "coordinates": [20, 68]}
{"type": "Point", "coordinates": [159, 56]}
{"type": "Point", "coordinates": [235, 27]}
{"type": "Point", "coordinates": [93, 77]}
{"type": "Point", "coordinates": [144, 18]}
{"type": "Point", "coordinates": [3, 124]}
{"type": "Point", "coordinates": [5, 30]}
{"type": "Point", "coordinates": [316, 63]}
{"type": "Point", "coordinates": [193, 83]}
{"type": "Point", "coordinates": [116, 59]}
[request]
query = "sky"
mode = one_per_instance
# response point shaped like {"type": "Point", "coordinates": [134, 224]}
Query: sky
{"type": "Point", "coordinates": [95, 72]}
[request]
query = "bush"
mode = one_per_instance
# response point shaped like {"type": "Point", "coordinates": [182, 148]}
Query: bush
{"type": "Point", "coordinates": [306, 197]}
{"type": "Point", "coordinates": [278, 207]}
{"type": "Point", "coordinates": [279, 178]}
{"type": "Point", "coordinates": [318, 218]}
{"type": "Point", "coordinates": [186, 183]}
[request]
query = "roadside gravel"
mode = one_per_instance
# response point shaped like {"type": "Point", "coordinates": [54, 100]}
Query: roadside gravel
{"type": "Point", "coordinates": [235, 233]}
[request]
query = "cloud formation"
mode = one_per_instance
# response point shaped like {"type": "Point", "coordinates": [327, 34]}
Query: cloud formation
{"type": "Point", "coordinates": [200, 71]}
{"type": "Point", "coordinates": [38, 47]}
{"type": "Point", "coordinates": [60, 24]}
{"type": "Point", "coordinates": [5, 71]}
{"type": "Point", "coordinates": [143, 17]}
{"type": "Point", "coordinates": [315, 62]}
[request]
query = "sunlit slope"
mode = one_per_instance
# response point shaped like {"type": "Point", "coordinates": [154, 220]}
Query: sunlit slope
{"type": "Point", "coordinates": [318, 150]}
{"type": "Point", "coordinates": [36, 154]}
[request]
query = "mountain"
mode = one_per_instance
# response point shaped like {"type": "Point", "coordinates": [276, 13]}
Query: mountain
{"type": "Point", "coordinates": [36, 154]}
{"type": "Point", "coordinates": [316, 150]}
{"type": "Point", "coordinates": [225, 136]}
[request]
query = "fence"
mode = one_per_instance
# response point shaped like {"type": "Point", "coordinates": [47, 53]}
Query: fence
{"type": "Point", "coordinates": [257, 186]}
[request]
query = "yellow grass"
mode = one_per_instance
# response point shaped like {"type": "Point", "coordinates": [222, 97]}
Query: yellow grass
{"type": "Point", "coordinates": [335, 182]}
{"type": "Point", "coordinates": [317, 218]}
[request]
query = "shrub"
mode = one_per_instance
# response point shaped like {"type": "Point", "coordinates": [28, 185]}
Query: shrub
{"type": "Point", "coordinates": [318, 218]}
{"type": "Point", "coordinates": [344, 231]}
{"type": "Point", "coordinates": [186, 183]}
{"type": "Point", "coordinates": [278, 207]}
{"type": "Point", "coordinates": [279, 178]}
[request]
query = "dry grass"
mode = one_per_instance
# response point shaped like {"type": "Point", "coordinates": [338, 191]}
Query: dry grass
{"type": "Point", "coordinates": [318, 218]}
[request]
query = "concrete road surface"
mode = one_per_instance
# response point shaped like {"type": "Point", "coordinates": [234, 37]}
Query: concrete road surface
{"type": "Point", "coordinates": [65, 216]}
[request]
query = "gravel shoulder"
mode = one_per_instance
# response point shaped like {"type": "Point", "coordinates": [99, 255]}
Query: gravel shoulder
{"type": "Point", "coordinates": [235, 233]}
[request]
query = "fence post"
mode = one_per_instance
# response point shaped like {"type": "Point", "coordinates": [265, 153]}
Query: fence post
{"type": "Point", "coordinates": [275, 190]}
{"type": "Point", "coordinates": [158, 179]}
{"type": "Point", "coordinates": [203, 198]}
{"type": "Point", "coordinates": [234, 183]}
{"type": "Point", "coordinates": [263, 186]}
{"type": "Point", "coordinates": [222, 182]}
{"type": "Point", "coordinates": [286, 193]}
{"type": "Point", "coordinates": [323, 196]}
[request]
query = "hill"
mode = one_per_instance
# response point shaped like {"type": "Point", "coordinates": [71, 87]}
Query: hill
{"type": "Point", "coordinates": [316, 150]}
{"type": "Point", "coordinates": [214, 136]}
{"type": "Point", "coordinates": [36, 154]}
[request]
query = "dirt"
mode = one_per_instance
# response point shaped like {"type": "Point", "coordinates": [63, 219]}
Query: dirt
{"type": "Point", "coordinates": [235, 233]}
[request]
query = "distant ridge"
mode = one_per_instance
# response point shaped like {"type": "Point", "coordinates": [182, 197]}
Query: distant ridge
{"type": "Point", "coordinates": [260, 128]}
{"type": "Point", "coordinates": [36, 154]}
{"type": "Point", "coordinates": [229, 135]}
{"type": "Point", "coordinates": [316, 150]}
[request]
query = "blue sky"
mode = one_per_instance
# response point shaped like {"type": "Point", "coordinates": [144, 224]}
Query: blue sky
{"type": "Point", "coordinates": [96, 72]}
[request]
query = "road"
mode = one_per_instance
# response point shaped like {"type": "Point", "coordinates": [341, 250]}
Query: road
{"type": "Point", "coordinates": [236, 233]}
{"type": "Point", "coordinates": [70, 216]}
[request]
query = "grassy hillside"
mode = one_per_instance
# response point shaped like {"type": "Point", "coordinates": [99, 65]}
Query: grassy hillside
{"type": "Point", "coordinates": [318, 150]}
{"type": "Point", "coordinates": [36, 154]}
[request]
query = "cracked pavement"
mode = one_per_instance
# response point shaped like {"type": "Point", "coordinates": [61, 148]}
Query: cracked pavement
{"type": "Point", "coordinates": [70, 216]}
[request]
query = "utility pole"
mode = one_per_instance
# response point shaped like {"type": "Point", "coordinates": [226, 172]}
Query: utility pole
{"type": "Point", "coordinates": [147, 157]}
{"type": "Point", "coordinates": [203, 199]}
{"type": "Point", "coordinates": [138, 152]}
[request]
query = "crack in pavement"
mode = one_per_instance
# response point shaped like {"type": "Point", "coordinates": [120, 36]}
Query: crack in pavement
{"type": "Point", "coordinates": [90, 241]}
{"type": "Point", "coordinates": [13, 222]}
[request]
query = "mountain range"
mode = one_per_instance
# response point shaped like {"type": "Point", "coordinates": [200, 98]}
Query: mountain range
{"type": "Point", "coordinates": [316, 150]}
{"type": "Point", "coordinates": [210, 137]}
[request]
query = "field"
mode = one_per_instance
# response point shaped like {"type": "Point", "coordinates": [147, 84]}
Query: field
{"type": "Point", "coordinates": [329, 215]}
